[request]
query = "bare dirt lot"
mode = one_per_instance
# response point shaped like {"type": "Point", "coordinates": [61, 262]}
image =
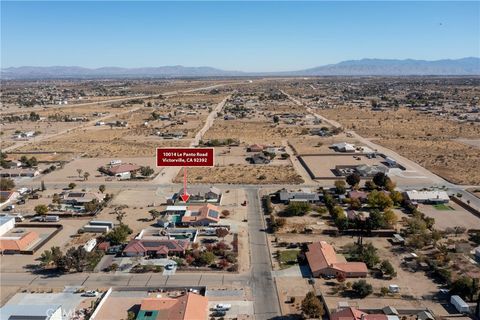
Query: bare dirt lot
{"type": "Point", "coordinates": [426, 139]}
{"type": "Point", "coordinates": [457, 216]}
{"type": "Point", "coordinates": [69, 172]}
{"type": "Point", "coordinates": [322, 166]}
{"type": "Point", "coordinates": [251, 132]}
{"type": "Point", "coordinates": [103, 142]}
{"type": "Point", "coordinates": [238, 174]}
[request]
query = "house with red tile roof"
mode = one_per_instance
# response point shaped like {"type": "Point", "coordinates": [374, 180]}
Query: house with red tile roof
{"type": "Point", "coordinates": [352, 313]}
{"type": "Point", "coordinates": [190, 306]}
{"type": "Point", "coordinates": [156, 248]}
{"type": "Point", "coordinates": [323, 261]}
{"type": "Point", "coordinates": [201, 216]}
{"type": "Point", "coordinates": [17, 244]}
{"type": "Point", "coordinates": [255, 148]}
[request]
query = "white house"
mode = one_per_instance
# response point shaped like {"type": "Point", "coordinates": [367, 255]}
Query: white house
{"type": "Point", "coordinates": [435, 196]}
{"type": "Point", "coordinates": [36, 311]}
{"type": "Point", "coordinates": [343, 147]}
{"type": "Point", "coordinates": [7, 223]}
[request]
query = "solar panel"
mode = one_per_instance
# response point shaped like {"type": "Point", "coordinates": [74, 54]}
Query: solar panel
{"type": "Point", "coordinates": [213, 213]}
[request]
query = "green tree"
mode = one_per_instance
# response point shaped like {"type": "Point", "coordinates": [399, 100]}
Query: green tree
{"type": "Point", "coordinates": [205, 258]}
{"type": "Point", "coordinates": [362, 288]}
{"type": "Point", "coordinates": [312, 307]}
{"type": "Point", "coordinates": [77, 259]}
{"type": "Point", "coordinates": [378, 199]}
{"type": "Point", "coordinates": [353, 179]}
{"type": "Point", "coordinates": [390, 217]}
{"type": "Point", "coordinates": [130, 314]}
{"type": "Point", "coordinates": [465, 287]}
{"type": "Point", "coordinates": [72, 185]}
{"type": "Point", "coordinates": [297, 209]}
{"type": "Point", "coordinates": [380, 179]}
{"type": "Point", "coordinates": [6, 184]}
{"type": "Point", "coordinates": [387, 268]}
{"type": "Point", "coordinates": [370, 185]}
{"type": "Point", "coordinates": [119, 234]}
{"type": "Point", "coordinates": [146, 171]}
{"type": "Point", "coordinates": [155, 214]}
{"type": "Point", "coordinates": [101, 188]}
{"type": "Point", "coordinates": [396, 197]}
{"type": "Point", "coordinates": [41, 209]}
{"type": "Point", "coordinates": [92, 206]}
{"type": "Point", "coordinates": [340, 186]}
{"type": "Point", "coordinates": [86, 175]}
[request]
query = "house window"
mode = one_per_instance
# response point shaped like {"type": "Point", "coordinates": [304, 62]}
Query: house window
{"type": "Point", "coordinates": [148, 313]}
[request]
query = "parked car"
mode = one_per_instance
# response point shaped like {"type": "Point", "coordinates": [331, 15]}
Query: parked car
{"type": "Point", "coordinates": [90, 293]}
{"type": "Point", "coordinates": [169, 266]}
{"type": "Point", "coordinates": [222, 307]}
{"type": "Point", "coordinates": [21, 201]}
{"type": "Point", "coordinates": [9, 207]}
{"type": "Point", "coordinates": [219, 314]}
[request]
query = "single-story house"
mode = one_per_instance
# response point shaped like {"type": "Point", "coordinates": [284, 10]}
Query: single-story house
{"type": "Point", "coordinates": [435, 196]}
{"type": "Point", "coordinates": [323, 261]}
{"type": "Point", "coordinates": [259, 158]}
{"type": "Point", "coordinates": [123, 170]}
{"type": "Point", "coordinates": [202, 216]}
{"type": "Point", "coordinates": [425, 315]}
{"type": "Point", "coordinates": [14, 244]}
{"type": "Point", "coordinates": [157, 248]}
{"type": "Point", "coordinates": [343, 147]}
{"type": "Point", "coordinates": [360, 195]}
{"type": "Point", "coordinates": [305, 195]}
{"type": "Point", "coordinates": [369, 171]}
{"type": "Point", "coordinates": [202, 194]}
{"type": "Point", "coordinates": [81, 197]}
{"type": "Point", "coordinates": [32, 312]}
{"type": "Point", "coordinates": [7, 223]}
{"type": "Point", "coordinates": [355, 215]}
{"type": "Point", "coordinates": [255, 148]}
{"type": "Point", "coordinates": [190, 306]}
{"type": "Point", "coordinates": [351, 313]}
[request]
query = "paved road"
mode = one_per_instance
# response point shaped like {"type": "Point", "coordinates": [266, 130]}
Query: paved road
{"type": "Point", "coordinates": [266, 304]}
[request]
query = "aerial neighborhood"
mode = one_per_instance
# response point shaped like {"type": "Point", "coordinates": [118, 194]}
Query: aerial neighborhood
{"type": "Point", "coordinates": [311, 210]}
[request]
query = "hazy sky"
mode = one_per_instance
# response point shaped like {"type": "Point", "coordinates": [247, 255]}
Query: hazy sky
{"type": "Point", "coordinates": [247, 36]}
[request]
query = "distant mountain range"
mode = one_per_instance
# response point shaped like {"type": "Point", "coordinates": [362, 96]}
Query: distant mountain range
{"type": "Point", "coordinates": [365, 67]}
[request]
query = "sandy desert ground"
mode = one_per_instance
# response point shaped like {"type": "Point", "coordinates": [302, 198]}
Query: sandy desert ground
{"type": "Point", "coordinates": [426, 139]}
{"type": "Point", "coordinates": [239, 174]}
